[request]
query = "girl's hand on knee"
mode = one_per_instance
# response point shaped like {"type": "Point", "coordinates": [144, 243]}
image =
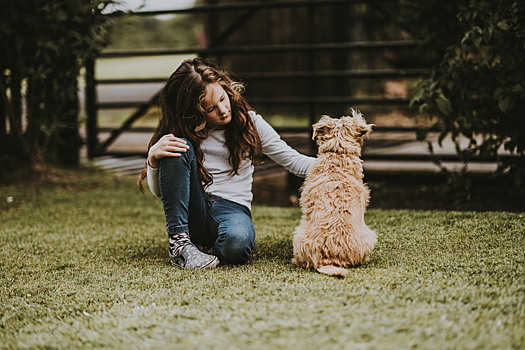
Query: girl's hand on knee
{"type": "Point", "coordinates": [167, 146]}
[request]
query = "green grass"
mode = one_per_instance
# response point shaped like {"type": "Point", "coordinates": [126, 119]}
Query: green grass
{"type": "Point", "coordinates": [83, 264]}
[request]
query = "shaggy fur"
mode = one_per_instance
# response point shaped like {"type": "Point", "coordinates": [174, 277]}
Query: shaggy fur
{"type": "Point", "coordinates": [332, 234]}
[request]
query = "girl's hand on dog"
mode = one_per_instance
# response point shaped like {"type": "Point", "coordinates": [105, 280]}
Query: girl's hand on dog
{"type": "Point", "coordinates": [167, 146]}
{"type": "Point", "coordinates": [170, 146]}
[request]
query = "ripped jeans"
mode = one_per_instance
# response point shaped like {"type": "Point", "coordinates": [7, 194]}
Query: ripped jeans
{"type": "Point", "coordinates": [210, 220]}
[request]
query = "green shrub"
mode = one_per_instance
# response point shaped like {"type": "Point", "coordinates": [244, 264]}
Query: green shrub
{"type": "Point", "coordinates": [477, 90]}
{"type": "Point", "coordinates": [43, 45]}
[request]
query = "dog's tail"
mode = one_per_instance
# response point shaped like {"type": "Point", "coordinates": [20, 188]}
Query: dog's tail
{"type": "Point", "coordinates": [333, 270]}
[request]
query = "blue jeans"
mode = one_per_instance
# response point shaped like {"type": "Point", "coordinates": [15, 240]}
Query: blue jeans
{"type": "Point", "coordinates": [210, 220]}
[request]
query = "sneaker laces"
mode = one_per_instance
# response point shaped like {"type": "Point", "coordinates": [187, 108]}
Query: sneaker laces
{"type": "Point", "coordinates": [177, 242]}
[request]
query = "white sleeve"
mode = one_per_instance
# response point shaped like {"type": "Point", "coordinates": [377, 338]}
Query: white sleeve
{"type": "Point", "coordinates": [153, 180]}
{"type": "Point", "coordinates": [279, 151]}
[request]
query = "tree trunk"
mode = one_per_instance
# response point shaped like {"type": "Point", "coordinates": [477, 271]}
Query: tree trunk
{"type": "Point", "coordinates": [3, 116]}
{"type": "Point", "coordinates": [15, 142]}
{"type": "Point", "coordinates": [68, 139]}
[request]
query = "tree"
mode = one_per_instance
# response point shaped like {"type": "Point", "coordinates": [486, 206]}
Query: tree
{"type": "Point", "coordinates": [477, 89]}
{"type": "Point", "coordinates": [43, 45]}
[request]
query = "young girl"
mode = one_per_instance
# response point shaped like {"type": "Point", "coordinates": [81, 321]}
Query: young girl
{"type": "Point", "coordinates": [201, 160]}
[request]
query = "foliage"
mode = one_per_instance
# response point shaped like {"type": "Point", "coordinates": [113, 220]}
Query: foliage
{"type": "Point", "coordinates": [146, 32]}
{"type": "Point", "coordinates": [90, 270]}
{"type": "Point", "coordinates": [477, 91]}
{"type": "Point", "coordinates": [44, 44]}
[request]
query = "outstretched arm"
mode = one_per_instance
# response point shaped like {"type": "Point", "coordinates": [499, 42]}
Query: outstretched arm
{"type": "Point", "coordinates": [280, 152]}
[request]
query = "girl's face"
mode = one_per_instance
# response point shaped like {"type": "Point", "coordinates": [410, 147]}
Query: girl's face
{"type": "Point", "coordinates": [216, 104]}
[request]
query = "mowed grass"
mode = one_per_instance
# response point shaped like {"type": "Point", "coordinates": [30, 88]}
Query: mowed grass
{"type": "Point", "coordinates": [83, 264]}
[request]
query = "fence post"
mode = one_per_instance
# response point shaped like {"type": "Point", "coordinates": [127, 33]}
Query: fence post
{"type": "Point", "coordinates": [91, 110]}
{"type": "Point", "coordinates": [212, 30]}
{"type": "Point", "coordinates": [294, 183]}
{"type": "Point", "coordinates": [341, 22]}
{"type": "Point", "coordinates": [312, 91]}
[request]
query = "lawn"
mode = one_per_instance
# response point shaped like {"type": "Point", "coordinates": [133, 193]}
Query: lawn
{"type": "Point", "coordinates": [83, 264]}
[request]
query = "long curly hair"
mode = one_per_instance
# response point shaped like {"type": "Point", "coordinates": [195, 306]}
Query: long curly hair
{"type": "Point", "coordinates": [183, 116]}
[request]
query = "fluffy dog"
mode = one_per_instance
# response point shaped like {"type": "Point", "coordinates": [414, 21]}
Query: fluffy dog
{"type": "Point", "coordinates": [332, 234]}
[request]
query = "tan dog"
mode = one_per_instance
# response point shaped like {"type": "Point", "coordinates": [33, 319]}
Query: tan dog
{"type": "Point", "coordinates": [332, 233]}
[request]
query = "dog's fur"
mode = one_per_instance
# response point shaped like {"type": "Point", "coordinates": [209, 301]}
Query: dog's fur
{"type": "Point", "coordinates": [332, 234]}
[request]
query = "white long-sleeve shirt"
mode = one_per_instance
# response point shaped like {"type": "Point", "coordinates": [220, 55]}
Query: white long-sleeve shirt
{"type": "Point", "coordinates": [238, 188]}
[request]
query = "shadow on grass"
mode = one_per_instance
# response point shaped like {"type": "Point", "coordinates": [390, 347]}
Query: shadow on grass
{"type": "Point", "coordinates": [414, 191]}
{"type": "Point", "coordinates": [272, 249]}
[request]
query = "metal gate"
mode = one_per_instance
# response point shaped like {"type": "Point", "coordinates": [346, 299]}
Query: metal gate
{"type": "Point", "coordinates": [246, 11]}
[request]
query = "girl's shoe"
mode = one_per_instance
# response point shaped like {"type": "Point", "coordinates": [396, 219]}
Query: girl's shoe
{"type": "Point", "coordinates": [191, 257]}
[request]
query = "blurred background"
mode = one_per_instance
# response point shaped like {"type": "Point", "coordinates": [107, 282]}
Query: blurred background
{"type": "Point", "coordinates": [298, 60]}
{"type": "Point", "coordinates": [272, 50]}
{"type": "Point", "coordinates": [443, 81]}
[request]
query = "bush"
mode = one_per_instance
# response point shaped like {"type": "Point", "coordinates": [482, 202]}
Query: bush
{"type": "Point", "coordinates": [44, 44]}
{"type": "Point", "coordinates": [477, 90]}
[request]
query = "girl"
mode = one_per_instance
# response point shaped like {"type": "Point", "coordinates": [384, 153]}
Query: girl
{"type": "Point", "coordinates": [201, 160]}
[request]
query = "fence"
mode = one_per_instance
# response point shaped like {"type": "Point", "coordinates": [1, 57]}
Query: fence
{"type": "Point", "coordinates": [217, 47]}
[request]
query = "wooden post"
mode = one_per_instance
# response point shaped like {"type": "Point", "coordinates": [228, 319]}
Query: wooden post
{"type": "Point", "coordinates": [294, 183]}
{"type": "Point", "coordinates": [91, 110]}
{"type": "Point", "coordinates": [340, 62]}
{"type": "Point", "coordinates": [311, 67]}
{"type": "Point", "coordinates": [212, 31]}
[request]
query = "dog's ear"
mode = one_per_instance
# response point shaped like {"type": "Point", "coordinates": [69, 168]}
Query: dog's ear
{"type": "Point", "coordinates": [322, 126]}
{"type": "Point", "coordinates": [364, 129]}
{"type": "Point", "coordinates": [361, 127]}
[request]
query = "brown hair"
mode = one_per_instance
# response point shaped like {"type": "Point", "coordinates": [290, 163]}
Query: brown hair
{"type": "Point", "coordinates": [182, 115]}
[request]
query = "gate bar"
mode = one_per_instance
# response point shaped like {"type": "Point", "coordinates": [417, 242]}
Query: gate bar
{"type": "Point", "coordinates": [247, 49]}
{"type": "Point", "coordinates": [246, 6]}
{"type": "Point", "coordinates": [127, 124]}
{"type": "Point", "coordinates": [293, 75]}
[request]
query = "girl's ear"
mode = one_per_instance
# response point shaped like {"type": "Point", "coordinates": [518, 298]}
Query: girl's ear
{"type": "Point", "coordinates": [324, 125]}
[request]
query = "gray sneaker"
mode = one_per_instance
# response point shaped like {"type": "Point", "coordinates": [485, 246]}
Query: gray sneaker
{"type": "Point", "coordinates": [192, 257]}
{"type": "Point", "coordinates": [204, 249]}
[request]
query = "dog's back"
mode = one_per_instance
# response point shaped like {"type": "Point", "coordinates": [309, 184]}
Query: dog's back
{"type": "Point", "coordinates": [332, 234]}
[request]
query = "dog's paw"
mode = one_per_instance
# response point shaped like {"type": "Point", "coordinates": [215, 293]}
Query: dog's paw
{"type": "Point", "coordinates": [298, 263]}
{"type": "Point", "coordinates": [333, 270]}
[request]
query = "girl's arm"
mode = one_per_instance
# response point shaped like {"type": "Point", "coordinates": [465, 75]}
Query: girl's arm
{"type": "Point", "coordinates": [167, 146]}
{"type": "Point", "coordinates": [153, 180]}
{"type": "Point", "coordinates": [279, 151]}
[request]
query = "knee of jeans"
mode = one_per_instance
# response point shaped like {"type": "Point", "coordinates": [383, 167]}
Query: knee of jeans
{"type": "Point", "coordinates": [168, 161]}
{"type": "Point", "coordinates": [237, 246]}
